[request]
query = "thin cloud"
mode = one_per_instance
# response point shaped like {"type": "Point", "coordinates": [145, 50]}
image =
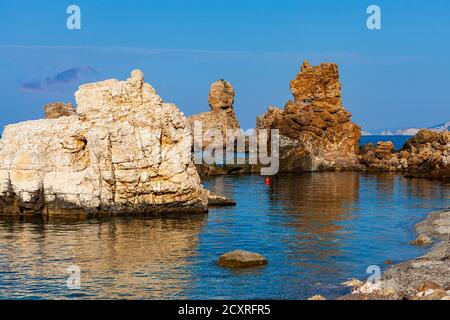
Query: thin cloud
{"type": "Point", "coordinates": [58, 81]}
{"type": "Point", "coordinates": [353, 57]}
{"type": "Point", "coordinates": [122, 50]}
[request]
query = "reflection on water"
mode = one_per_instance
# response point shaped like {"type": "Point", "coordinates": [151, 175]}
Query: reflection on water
{"type": "Point", "coordinates": [316, 230]}
{"type": "Point", "coordinates": [118, 258]}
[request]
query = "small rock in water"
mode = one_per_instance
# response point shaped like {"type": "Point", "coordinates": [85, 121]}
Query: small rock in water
{"type": "Point", "coordinates": [352, 283]}
{"type": "Point", "coordinates": [241, 259]}
{"type": "Point", "coordinates": [219, 201]}
{"type": "Point", "coordinates": [317, 298]}
{"type": "Point", "coordinates": [388, 262]}
{"type": "Point", "coordinates": [422, 240]}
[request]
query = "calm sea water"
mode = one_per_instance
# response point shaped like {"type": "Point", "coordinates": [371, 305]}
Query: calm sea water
{"type": "Point", "coordinates": [317, 230]}
{"type": "Point", "coordinates": [398, 141]}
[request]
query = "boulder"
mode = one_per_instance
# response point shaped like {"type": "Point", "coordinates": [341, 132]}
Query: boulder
{"type": "Point", "coordinates": [422, 240]}
{"type": "Point", "coordinates": [316, 131]}
{"type": "Point", "coordinates": [219, 201]}
{"type": "Point", "coordinates": [241, 259]}
{"type": "Point", "coordinates": [124, 152]}
{"type": "Point", "coordinates": [352, 283]}
{"type": "Point", "coordinates": [58, 109]}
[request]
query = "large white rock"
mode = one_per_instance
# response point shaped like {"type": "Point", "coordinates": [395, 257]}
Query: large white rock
{"type": "Point", "coordinates": [126, 151]}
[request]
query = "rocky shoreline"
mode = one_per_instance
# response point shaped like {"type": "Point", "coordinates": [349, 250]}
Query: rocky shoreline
{"type": "Point", "coordinates": [426, 155]}
{"type": "Point", "coordinates": [423, 278]}
{"type": "Point", "coordinates": [124, 151]}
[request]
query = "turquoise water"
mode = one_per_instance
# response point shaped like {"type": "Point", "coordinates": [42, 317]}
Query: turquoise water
{"type": "Point", "coordinates": [316, 230]}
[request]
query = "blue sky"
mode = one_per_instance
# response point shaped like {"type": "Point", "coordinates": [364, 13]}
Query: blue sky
{"type": "Point", "coordinates": [392, 78]}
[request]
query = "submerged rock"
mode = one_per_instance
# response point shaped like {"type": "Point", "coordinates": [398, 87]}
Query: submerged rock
{"type": "Point", "coordinates": [316, 131]}
{"type": "Point", "coordinates": [422, 240]}
{"type": "Point", "coordinates": [205, 170]}
{"type": "Point", "coordinates": [124, 152]}
{"type": "Point", "coordinates": [219, 201]}
{"type": "Point", "coordinates": [241, 259]}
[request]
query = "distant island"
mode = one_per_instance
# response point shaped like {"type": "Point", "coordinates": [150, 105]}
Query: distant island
{"type": "Point", "coordinates": [442, 127]}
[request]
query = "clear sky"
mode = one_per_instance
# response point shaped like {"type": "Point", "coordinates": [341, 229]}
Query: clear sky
{"type": "Point", "coordinates": [396, 77]}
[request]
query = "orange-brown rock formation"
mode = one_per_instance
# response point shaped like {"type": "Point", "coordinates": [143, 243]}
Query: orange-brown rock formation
{"type": "Point", "coordinates": [316, 131]}
{"type": "Point", "coordinates": [426, 155]}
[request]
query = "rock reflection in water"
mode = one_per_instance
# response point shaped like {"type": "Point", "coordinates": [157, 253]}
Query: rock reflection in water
{"type": "Point", "coordinates": [124, 258]}
{"type": "Point", "coordinates": [319, 199]}
{"type": "Point", "coordinates": [316, 204]}
{"type": "Point", "coordinates": [316, 230]}
{"type": "Point", "coordinates": [320, 229]}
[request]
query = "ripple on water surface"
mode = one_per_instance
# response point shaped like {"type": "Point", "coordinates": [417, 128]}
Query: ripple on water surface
{"type": "Point", "coordinates": [317, 230]}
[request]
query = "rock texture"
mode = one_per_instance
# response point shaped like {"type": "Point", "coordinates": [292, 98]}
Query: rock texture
{"type": "Point", "coordinates": [205, 170]}
{"type": "Point", "coordinates": [221, 116]}
{"type": "Point", "coordinates": [316, 131]}
{"type": "Point", "coordinates": [219, 201]}
{"type": "Point", "coordinates": [58, 109]}
{"type": "Point", "coordinates": [241, 259]}
{"type": "Point", "coordinates": [124, 152]}
{"type": "Point", "coordinates": [425, 155]}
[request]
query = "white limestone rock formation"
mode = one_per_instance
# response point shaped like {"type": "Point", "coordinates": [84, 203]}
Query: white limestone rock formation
{"type": "Point", "coordinates": [124, 152]}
